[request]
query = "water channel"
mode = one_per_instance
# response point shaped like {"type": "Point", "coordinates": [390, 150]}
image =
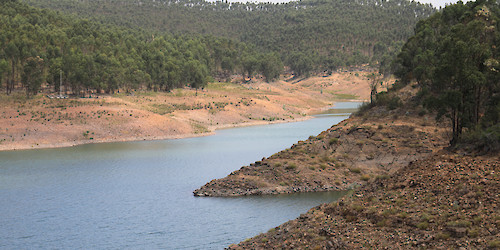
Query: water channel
{"type": "Point", "coordinates": [138, 195]}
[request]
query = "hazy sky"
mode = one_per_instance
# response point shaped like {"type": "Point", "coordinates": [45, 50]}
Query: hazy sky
{"type": "Point", "coordinates": [438, 3]}
{"type": "Point", "coordinates": [435, 3]}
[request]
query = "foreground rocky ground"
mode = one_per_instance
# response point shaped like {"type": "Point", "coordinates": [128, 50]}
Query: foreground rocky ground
{"type": "Point", "coordinates": [43, 122]}
{"type": "Point", "coordinates": [446, 201]}
{"type": "Point", "coordinates": [415, 193]}
{"type": "Point", "coordinates": [354, 152]}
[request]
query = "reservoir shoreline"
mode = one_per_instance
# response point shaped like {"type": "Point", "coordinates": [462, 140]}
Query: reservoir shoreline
{"type": "Point", "coordinates": [139, 194]}
{"type": "Point", "coordinates": [42, 122]}
{"type": "Point", "coordinates": [213, 131]}
{"type": "Point", "coordinates": [154, 138]}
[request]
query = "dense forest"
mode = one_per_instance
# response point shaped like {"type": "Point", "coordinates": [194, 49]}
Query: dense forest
{"type": "Point", "coordinates": [161, 45]}
{"type": "Point", "coordinates": [38, 46]}
{"type": "Point", "coordinates": [309, 35]}
{"type": "Point", "coordinates": [454, 58]}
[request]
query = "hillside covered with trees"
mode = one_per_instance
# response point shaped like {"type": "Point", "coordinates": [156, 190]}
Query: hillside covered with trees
{"type": "Point", "coordinates": [309, 35]}
{"type": "Point", "coordinates": [42, 46]}
{"type": "Point", "coordinates": [454, 58]}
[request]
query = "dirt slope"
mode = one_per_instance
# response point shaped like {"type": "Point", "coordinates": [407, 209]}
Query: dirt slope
{"type": "Point", "coordinates": [43, 122]}
{"type": "Point", "coordinates": [345, 156]}
{"type": "Point", "coordinates": [446, 201]}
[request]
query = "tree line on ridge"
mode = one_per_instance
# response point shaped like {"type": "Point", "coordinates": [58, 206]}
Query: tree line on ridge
{"type": "Point", "coordinates": [41, 46]}
{"type": "Point", "coordinates": [308, 35]}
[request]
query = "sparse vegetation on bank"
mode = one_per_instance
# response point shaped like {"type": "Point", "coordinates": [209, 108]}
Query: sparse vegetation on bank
{"type": "Point", "coordinates": [41, 121]}
{"type": "Point", "coordinates": [364, 147]}
{"type": "Point", "coordinates": [445, 201]}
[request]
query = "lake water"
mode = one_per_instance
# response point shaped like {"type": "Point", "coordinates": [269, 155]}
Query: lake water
{"type": "Point", "coordinates": [138, 195]}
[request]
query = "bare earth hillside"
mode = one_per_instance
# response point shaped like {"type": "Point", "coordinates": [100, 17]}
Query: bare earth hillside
{"type": "Point", "coordinates": [42, 122]}
{"type": "Point", "coordinates": [446, 201]}
{"type": "Point", "coordinates": [355, 151]}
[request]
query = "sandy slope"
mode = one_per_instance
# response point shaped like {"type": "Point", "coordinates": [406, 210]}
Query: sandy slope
{"type": "Point", "coordinates": [43, 123]}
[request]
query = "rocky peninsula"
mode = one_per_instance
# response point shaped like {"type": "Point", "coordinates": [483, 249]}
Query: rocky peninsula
{"type": "Point", "coordinates": [412, 191]}
{"type": "Point", "coordinates": [352, 153]}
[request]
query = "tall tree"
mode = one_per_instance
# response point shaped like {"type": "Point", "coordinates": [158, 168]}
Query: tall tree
{"type": "Point", "coordinates": [454, 58]}
{"type": "Point", "coordinates": [4, 67]}
{"type": "Point", "coordinates": [12, 52]}
{"type": "Point", "coordinates": [271, 66]}
{"type": "Point", "coordinates": [32, 75]}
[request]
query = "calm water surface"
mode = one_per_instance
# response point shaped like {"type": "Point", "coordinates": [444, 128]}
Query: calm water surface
{"type": "Point", "coordinates": [139, 194]}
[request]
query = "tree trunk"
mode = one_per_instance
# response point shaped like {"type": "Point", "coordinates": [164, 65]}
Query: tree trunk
{"type": "Point", "coordinates": [373, 93]}
{"type": "Point", "coordinates": [454, 124]}
{"type": "Point", "coordinates": [10, 83]}
{"type": "Point", "coordinates": [477, 104]}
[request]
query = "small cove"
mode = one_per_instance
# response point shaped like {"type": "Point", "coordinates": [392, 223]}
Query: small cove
{"type": "Point", "coordinates": [139, 194]}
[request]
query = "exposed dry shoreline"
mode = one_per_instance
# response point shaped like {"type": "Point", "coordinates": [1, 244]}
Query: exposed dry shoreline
{"type": "Point", "coordinates": [415, 194]}
{"type": "Point", "coordinates": [149, 138]}
{"type": "Point", "coordinates": [347, 155]}
{"type": "Point", "coordinates": [42, 122]}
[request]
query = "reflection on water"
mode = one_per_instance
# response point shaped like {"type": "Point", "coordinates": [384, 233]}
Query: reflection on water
{"type": "Point", "coordinates": [139, 194]}
{"type": "Point", "coordinates": [341, 109]}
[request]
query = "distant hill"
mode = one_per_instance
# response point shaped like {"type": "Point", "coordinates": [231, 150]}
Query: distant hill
{"type": "Point", "coordinates": [309, 35]}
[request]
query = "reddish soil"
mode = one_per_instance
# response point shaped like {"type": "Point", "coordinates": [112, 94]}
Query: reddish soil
{"type": "Point", "coordinates": [446, 201]}
{"type": "Point", "coordinates": [42, 122]}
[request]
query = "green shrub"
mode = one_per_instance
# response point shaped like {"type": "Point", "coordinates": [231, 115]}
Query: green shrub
{"type": "Point", "coordinates": [333, 141]}
{"type": "Point", "coordinates": [382, 177]}
{"type": "Point", "coordinates": [477, 219]}
{"type": "Point", "coordinates": [459, 223]}
{"type": "Point", "coordinates": [422, 112]}
{"type": "Point", "coordinates": [363, 108]}
{"type": "Point", "coordinates": [403, 215]}
{"type": "Point", "coordinates": [381, 223]}
{"type": "Point", "coordinates": [385, 99]}
{"type": "Point", "coordinates": [357, 208]}
{"type": "Point", "coordinates": [482, 139]}
{"type": "Point", "coordinates": [442, 236]}
{"type": "Point", "coordinates": [423, 225]}
{"type": "Point", "coordinates": [494, 244]}
{"type": "Point", "coordinates": [473, 233]}
{"type": "Point", "coordinates": [355, 170]}
{"type": "Point", "coordinates": [394, 103]}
